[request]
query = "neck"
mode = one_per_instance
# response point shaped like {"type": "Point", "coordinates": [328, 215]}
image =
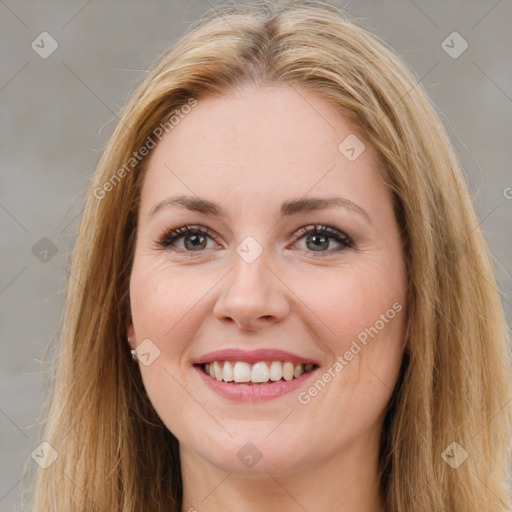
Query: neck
{"type": "Point", "coordinates": [346, 482]}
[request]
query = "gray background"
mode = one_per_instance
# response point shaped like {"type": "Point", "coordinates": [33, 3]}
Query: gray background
{"type": "Point", "coordinates": [57, 114]}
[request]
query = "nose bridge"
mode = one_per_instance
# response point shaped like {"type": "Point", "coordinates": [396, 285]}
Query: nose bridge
{"type": "Point", "coordinates": [251, 267]}
{"type": "Point", "coordinates": [251, 293]}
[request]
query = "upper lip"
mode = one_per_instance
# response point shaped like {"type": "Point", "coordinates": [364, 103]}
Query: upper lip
{"type": "Point", "coordinates": [252, 356]}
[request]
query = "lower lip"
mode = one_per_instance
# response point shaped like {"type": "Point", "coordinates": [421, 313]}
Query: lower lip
{"type": "Point", "coordinates": [248, 392]}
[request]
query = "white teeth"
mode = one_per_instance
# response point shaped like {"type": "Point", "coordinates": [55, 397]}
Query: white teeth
{"type": "Point", "coordinates": [288, 371]}
{"type": "Point", "coordinates": [217, 370]}
{"type": "Point", "coordinates": [258, 373]}
{"type": "Point", "coordinates": [276, 371]}
{"type": "Point", "coordinates": [242, 372]}
{"type": "Point", "coordinates": [228, 372]}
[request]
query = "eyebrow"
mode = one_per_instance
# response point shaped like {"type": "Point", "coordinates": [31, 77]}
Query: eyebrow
{"type": "Point", "coordinates": [288, 208]}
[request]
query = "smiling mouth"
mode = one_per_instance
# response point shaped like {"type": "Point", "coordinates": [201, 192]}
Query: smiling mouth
{"type": "Point", "coordinates": [261, 373]}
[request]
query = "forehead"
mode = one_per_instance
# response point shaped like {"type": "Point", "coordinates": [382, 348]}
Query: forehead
{"type": "Point", "coordinates": [262, 143]}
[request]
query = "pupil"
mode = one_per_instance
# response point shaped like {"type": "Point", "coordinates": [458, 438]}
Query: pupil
{"type": "Point", "coordinates": [195, 240]}
{"type": "Point", "coordinates": [317, 238]}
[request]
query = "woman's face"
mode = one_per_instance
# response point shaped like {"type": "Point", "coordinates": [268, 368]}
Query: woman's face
{"type": "Point", "coordinates": [259, 290]}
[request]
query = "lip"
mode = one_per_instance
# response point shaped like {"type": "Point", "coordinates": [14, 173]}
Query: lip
{"type": "Point", "coordinates": [252, 356]}
{"type": "Point", "coordinates": [251, 392]}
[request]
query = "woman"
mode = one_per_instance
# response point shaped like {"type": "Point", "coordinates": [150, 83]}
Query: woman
{"type": "Point", "coordinates": [263, 375]}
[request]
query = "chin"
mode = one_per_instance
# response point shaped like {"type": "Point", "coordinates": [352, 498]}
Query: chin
{"type": "Point", "coordinates": [252, 455]}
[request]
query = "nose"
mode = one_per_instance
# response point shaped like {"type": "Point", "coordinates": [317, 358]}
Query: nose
{"type": "Point", "coordinates": [252, 296]}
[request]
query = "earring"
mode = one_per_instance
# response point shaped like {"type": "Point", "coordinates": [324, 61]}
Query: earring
{"type": "Point", "coordinates": [133, 351]}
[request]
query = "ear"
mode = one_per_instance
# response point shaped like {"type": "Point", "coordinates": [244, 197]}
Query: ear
{"type": "Point", "coordinates": [130, 332]}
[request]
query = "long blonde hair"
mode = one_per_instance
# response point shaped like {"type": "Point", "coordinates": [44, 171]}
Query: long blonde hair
{"type": "Point", "coordinates": [114, 453]}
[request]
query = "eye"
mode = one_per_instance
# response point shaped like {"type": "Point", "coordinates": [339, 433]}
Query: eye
{"type": "Point", "coordinates": [318, 237]}
{"type": "Point", "coordinates": [195, 239]}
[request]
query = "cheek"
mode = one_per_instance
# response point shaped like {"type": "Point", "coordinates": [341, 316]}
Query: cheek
{"type": "Point", "coordinates": [362, 312]}
{"type": "Point", "coordinates": [163, 301]}
{"type": "Point", "coordinates": [345, 301]}
{"type": "Point", "coordinates": [360, 316]}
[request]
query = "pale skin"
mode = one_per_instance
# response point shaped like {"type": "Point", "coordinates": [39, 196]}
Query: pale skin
{"type": "Point", "coordinates": [249, 151]}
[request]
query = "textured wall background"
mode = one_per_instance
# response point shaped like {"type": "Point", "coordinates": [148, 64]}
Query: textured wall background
{"type": "Point", "coordinates": [57, 111]}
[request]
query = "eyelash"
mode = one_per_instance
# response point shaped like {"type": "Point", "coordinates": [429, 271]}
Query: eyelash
{"type": "Point", "coordinates": [171, 234]}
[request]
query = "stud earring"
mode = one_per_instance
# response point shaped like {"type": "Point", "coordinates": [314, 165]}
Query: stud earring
{"type": "Point", "coordinates": [133, 351]}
